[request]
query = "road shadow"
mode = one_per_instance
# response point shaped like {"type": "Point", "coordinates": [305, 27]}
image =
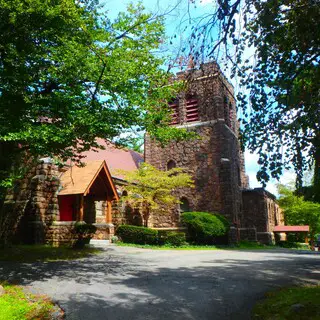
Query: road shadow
{"type": "Point", "coordinates": [113, 286]}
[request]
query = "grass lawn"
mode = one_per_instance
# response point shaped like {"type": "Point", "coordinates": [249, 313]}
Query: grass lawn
{"type": "Point", "coordinates": [166, 247]}
{"type": "Point", "coordinates": [296, 303]}
{"type": "Point", "coordinates": [16, 304]}
{"type": "Point", "coordinates": [249, 245]}
{"type": "Point", "coordinates": [32, 253]}
{"type": "Point", "coordinates": [241, 245]}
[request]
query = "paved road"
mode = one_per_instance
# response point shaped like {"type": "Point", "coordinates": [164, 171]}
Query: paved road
{"type": "Point", "coordinates": [133, 284]}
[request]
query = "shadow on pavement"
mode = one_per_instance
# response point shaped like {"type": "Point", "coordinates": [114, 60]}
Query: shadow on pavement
{"type": "Point", "coordinates": [113, 286]}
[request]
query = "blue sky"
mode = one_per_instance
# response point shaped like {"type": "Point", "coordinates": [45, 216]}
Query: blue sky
{"type": "Point", "coordinates": [173, 26]}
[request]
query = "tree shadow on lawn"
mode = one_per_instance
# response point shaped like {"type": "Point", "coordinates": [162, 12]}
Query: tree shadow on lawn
{"type": "Point", "coordinates": [110, 286]}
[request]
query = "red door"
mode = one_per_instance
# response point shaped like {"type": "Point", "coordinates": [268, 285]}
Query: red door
{"type": "Point", "coordinates": [66, 207]}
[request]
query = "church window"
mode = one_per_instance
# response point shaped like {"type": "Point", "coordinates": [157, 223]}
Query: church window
{"type": "Point", "coordinates": [174, 107]}
{"type": "Point", "coordinates": [171, 164]}
{"type": "Point", "coordinates": [192, 112]}
{"type": "Point", "coordinates": [184, 205]}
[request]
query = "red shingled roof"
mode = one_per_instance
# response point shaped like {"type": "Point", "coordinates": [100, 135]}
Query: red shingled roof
{"type": "Point", "coordinates": [291, 229]}
{"type": "Point", "coordinates": [116, 158]}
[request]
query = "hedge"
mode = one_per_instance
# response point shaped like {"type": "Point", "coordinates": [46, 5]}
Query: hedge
{"type": "Point", "coordinates": [142, 235]}
{"type": "Point", "coordinates": [138, 235]}
{"type": "Point", "coordinates": [175, 239]}
{"type": "Point", "coordinates": [204, 227]}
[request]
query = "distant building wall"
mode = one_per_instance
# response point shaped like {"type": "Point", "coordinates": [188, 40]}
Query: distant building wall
{"type": "Point", "coordinates": [261, 211]}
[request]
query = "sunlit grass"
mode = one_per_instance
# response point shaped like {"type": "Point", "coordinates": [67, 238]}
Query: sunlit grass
{"type": "Point", "coordinates": [242, 245]}
{"type": "Point", "coordinates": [17, 304]}
{"type": "Point", "coordinates": [167, 247]}
{"type": "Point", "coordinates": [297, 303]}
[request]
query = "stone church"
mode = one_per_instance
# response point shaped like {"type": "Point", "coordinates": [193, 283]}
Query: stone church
{"type": "Point", "coordinates": [50, 199]}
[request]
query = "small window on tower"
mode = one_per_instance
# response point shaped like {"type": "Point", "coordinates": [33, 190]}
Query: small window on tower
{"type": "Point", "coordinates": [192, 112]}
{"type": "Point", "coordinates": [174, 106]}
{"type": "Point", "coordinates": [171, 164]}
{"type": "Point", "coordinates": [184, 205]}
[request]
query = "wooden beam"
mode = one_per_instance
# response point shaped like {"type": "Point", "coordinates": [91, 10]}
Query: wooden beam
{"type": "Point", "coordinates": [108, 212]}
{"type": "Point", "coordinates": [81, 209]}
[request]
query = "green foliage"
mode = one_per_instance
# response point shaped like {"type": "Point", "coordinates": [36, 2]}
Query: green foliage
{"type": "Point", "coordinates": [85, 230]}
{"type": "Point", "coordinates": [175, 239]}
{"type": "Point", "coordinates": [69, 74]}
{"type": "Point", "coordinates": [204, 227]}
{"type": "Point", "coordinates": [149, 188]}
{"type": "Point", "coordinates": [171, 238]}
{"type": "Point", "coordinates": [84, 233]}
{"type": "Point", "coordinates": [135, 234]}
{"type": "Point", "coordinates": [17, 304]}
{"type": "Point", "coordinates": [278, 305]}
{"type": "Point", "coordinates": [273, 47]}
{"type": "Point", "coordinates": [299, 212]}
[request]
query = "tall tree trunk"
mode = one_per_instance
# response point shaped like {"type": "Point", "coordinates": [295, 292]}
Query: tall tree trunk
{"type": "Point", "coordinates": [316, 177]}
{"type": "Point", "coordinates": [146, 214]}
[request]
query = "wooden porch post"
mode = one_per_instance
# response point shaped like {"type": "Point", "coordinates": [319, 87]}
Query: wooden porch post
{"type": "Point", "coordinates": [81, 208]}
{"type": "Point", "coordinates": [108, 212]}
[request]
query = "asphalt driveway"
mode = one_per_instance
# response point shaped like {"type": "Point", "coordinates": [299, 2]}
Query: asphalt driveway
{"type": "Point", "coordinates": [131, 284]}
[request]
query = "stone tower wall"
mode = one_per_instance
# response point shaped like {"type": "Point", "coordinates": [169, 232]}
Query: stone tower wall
{"type": "Point", "coordinates": [214, 159]}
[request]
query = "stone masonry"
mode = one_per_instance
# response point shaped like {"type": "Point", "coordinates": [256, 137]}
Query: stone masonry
{"type": "Point", "coordinates": [261, 212]}
{"type": "Point", "coordinates": [213, 159]}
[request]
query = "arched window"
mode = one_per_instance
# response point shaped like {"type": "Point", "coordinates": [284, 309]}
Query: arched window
{"type": "Point", "coordinates": [124, 193]}
{"type": "Point", "coordinates": [171, 164]}
{"type": "Point", "coordinates": [184, 205]}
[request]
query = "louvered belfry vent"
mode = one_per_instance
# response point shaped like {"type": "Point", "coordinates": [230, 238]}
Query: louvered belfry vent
{"type": "Point", "coordinates": [192, 112]}
{"type": "Point", "coordinates": [174, 106]}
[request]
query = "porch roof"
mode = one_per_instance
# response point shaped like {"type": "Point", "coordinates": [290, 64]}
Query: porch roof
{"type": "Point", "coordinates": [291, 229]}
{"type": "Point", "coordinates": [78, 180]}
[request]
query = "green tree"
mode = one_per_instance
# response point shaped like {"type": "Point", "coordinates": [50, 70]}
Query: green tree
{"type": "Point", "coordinates": [297, 211]}
{"type": "Point", "coordinates": [69, 74]}
{"type": "Point", "coordinates": [151, 189]}
{"type": "Point", "coordinates": [279, 85]}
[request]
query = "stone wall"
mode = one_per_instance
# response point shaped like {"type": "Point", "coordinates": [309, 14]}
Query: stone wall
{"type": "Point", "coordinates": [33, 200]}
{"type": "Point", "coordinates": [249, 234]}
{"type": "Point", "coordinates": [261, 211]}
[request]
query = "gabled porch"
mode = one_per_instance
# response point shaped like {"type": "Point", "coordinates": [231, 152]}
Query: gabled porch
{"type": "Point", "coordinates": [87, 194]}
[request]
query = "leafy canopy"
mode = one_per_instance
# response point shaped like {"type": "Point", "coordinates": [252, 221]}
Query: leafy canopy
{"type": "Point", "coordinates": [70, 74]}
{"type": "Point", "coordinates": [149, 188]}
{"type": "Point", "coordinates": [298, 211]}
{"type": "Point", "coordinates": [274, 49]}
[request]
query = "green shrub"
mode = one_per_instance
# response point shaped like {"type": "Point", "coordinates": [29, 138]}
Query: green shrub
{"type": "Point", "coordinates": [138, 235]}
{"type": "Point", "coordinates": [204, 227]}
{"type": "Point", "coordinates": [162, 237]}
{"type": "Point", "coordinates": [85, 230]}
{"type": "Point", "coordinates": [176, 239]}
{"type": "Point", "coordinates": [83, 233]}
